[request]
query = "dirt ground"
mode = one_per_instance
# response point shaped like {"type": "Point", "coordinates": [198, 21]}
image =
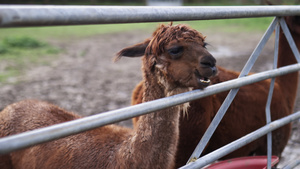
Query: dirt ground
{"type": "Point", "coordinates": [85, 80]}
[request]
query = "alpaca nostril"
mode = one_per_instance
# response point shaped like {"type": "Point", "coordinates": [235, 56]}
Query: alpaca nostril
{"type": "Point", "coordinates": [207, 64]}
{"type": "Point", "coordinates": [208, 61]}
{"type": "Point", "coordinates": [214, 70]}
{"type": "Point", "coordinates": [210, 64]}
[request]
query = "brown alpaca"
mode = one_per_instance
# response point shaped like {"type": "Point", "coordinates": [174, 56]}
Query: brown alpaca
{"type": "Point", "coordinates": [246, 113]}
{"type": "Point", "coordinates": [153, 142]}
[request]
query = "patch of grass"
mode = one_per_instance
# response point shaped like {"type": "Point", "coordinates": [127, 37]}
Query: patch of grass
{"type": "Point", "coordinates": [22, 42]}
{"type": "Point", "coordinates": [3, 48]}
{"type": "Point", "coordinates": [17, 53]}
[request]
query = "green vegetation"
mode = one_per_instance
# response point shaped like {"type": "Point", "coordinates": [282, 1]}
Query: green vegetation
{"type": "Point", "coordinates": [22, 42]}
{"type": "Point", "coordinates": [19, 52]}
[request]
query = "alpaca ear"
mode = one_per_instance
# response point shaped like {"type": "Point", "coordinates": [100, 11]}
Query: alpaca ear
{"type": "Point", "coordinates": [137, 50]}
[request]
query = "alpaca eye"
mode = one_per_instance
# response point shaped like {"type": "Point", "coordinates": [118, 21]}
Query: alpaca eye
{"type": "Point", "coordinates": [205, 44]}
{"type": "Point", "coordinates": [176, 52]}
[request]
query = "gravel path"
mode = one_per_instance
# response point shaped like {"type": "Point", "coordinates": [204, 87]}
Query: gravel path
{"type": "Point", "coordinates": [86, 81]}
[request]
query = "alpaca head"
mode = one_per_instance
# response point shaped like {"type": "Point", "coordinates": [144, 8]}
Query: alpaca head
{"type": "Point", "coordinates": [178, 54]}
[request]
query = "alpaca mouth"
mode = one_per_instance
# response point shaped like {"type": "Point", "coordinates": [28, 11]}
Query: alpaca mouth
{"type": "Point", "coordinates": [202, 81]}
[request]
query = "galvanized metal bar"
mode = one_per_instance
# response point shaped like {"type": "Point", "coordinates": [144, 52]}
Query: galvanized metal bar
{"type": "Point", "coordinates": [47, 15]}
{"type": "Point", "coordinates": [221, 112]}
{"type": "Point", "coordinates": [290, 39]}
{"type": "Point", "coordinates": [268, 119]}
{"type": "Point", "coordinates": [23, 140]}
{"type": "Point", "coordinates": [248, 66]}
{"type": "Point", "coordinates": [213, 126]}
{"type": "Point", "coordinates": [221, 152]}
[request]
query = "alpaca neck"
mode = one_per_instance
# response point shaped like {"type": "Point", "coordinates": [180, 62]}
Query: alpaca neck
{"type": "Point", "coordinates": [154, 141]}
{"type": "Point", "coordinates": [288, 83]}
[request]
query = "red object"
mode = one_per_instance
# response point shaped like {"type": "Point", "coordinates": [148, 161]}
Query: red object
{"type": "Point", "coordinates": [251, 162]}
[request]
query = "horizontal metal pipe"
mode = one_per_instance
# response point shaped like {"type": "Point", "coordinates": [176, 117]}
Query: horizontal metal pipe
{"type": "Point", "coordinates": [23, 140]}
{"type": "Point", "coordinates": [43, 15]}
{"type": "Point", "coordinates": [221, 152]}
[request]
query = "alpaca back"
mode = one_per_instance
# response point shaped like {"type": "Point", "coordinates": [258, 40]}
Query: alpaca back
{"type": "Point", "coordinates": [89, 149]}
{"type": "Point", "coordinates": [31, 114]}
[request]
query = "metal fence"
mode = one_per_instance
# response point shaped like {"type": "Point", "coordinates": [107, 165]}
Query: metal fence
{"type": "Point", "coordinates": [164, 2]}
{"type": "Point", "coordinates": [19, 16]}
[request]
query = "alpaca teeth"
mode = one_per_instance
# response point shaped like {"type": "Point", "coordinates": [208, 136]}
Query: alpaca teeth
{"type": "Point", "coordinates": [204, 81]}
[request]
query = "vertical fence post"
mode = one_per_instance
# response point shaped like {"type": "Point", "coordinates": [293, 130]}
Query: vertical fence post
{"type": "Point", "coordinates": [268, 105]}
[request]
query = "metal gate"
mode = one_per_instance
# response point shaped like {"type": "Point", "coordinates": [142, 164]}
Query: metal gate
{"type": "Point", "coordinates": [15, 16]}
{"type": "Point", "coordinates": [164, 2]}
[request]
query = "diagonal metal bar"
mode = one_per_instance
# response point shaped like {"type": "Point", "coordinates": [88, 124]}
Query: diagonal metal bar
{"type": "Point", "coordinates": [221, 152]}
{"type": "Point", "coordinates": [221, 112]}
{"type": "Point", "coordinates": [290, 39]}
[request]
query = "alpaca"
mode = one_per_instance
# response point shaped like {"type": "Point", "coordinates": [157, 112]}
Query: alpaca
{"type": "Point", "coordinates": [153, 142]}
{"type": "Point", "coordinates": [246, 113]}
